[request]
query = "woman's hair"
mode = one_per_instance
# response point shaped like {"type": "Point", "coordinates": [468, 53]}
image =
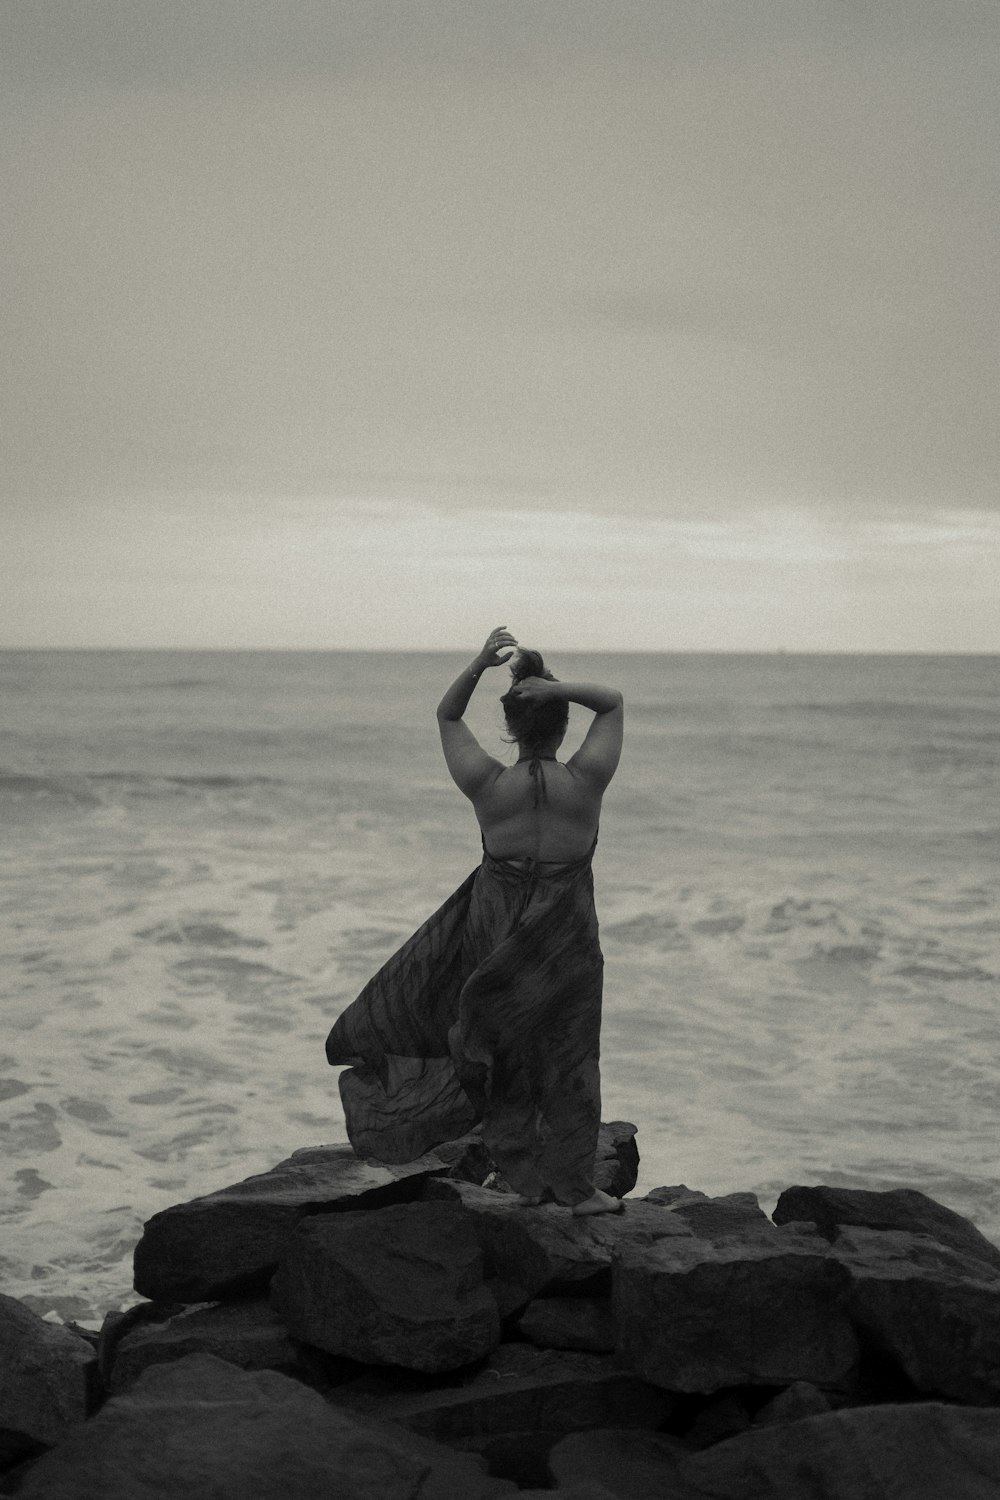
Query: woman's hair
{"type": "Point", "coordinates": [531, 724]}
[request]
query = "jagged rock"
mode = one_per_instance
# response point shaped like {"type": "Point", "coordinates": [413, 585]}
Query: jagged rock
{"type": "Point", "coordinates": [736, 1215]}
{"type": "Point", "coordinates": [228, 1243]}
{"type": "Point", "coordinates": [401, 1285]}
{"type": "Point", "coordinates": [48, 1378]}
{"type": "Point", "coordinates": [698, 1317]}
{"type": "Point", "coordinates": [200, 1427]}
{"type": "Point", "coordinates": [521, 1389]}
{"type": "Point", "coordinates": [248, 1334]}
{"type": "Point", "coordinates": [801, 1399]}
{"type": "Point", "coordinates": [904, 1209]}
{"type": "Point", "coordinates": [918, 1452]}
{"type": "Point", "coordinates": [569, 1323]}
{"type": "Point", "coordinates": [627, 1462]}
{"type": "Point", "coordinates": [934, 1310]}
{"type": "Point", "coordinates": [616, 1165]}
{"type": "Point", "coordinates": [529, 1249]}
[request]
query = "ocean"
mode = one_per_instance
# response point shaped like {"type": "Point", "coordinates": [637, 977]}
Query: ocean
{"type": "Point", "coordinates": [205, 855]}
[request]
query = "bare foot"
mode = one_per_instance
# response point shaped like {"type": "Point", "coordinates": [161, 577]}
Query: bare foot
{"type": "Point", "coordinates": [599, 1202]}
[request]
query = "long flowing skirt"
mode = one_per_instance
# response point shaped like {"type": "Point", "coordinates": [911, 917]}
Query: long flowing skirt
{"type": "Point", "coordinates": [489, 1014]}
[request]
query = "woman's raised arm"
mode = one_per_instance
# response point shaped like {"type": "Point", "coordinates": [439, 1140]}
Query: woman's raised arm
{"type": "Point", "coordinates": [467, 761]}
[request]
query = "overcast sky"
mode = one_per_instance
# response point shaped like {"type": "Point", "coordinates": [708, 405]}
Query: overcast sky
{"type": "Point", "coordinates": [667, 324]}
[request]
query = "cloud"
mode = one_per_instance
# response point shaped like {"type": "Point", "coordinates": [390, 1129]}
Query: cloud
{"type": "Point", "coordinates": [311, 573]}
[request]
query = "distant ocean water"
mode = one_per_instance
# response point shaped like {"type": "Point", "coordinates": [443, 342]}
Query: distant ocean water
{"type": "Point", "coordinates": [206, 854]}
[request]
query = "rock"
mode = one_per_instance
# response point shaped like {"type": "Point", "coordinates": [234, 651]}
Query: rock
{"type": "Point", "coordinates": [401, 1286]}
{"type": "Point", "coordinates": [228, 1243]}
{"type": "Point", "coordinates": [616, 1165]}
{"type": "Point", "coordinates": [521, 1389]}
{"type": "Point", "coordinates": [720, 1416]}
{"type": "Point", "coordinates": [734, 1216]}
{"type": "Point", "coordinates": [919, 1452]}
{"type": "Point", "coordinates": [801, 1399]}
{"type": "Point", "coordinates": [903, 1208]}
{"type": "Point", "coordinates": [200, 1427]}
{"type": "Point", "coordinates": [698, 1317]}
{"type": "Point", "coordinates": [629, 1463]}
{"type": "Point", "coordinates": [48, 1378]}
{"type": "Point", "coordinates": [248, 1334]}
{"type": "Point", "coordinates": [529, 1249]}
{"type": "Point", "coordinates": [569, 1323]}
{"type": "Point", "coordinates": [933, 1310]}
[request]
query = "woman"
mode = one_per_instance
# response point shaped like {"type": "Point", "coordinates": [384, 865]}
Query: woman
{"type": "Point", "coordinates": [490, 1014]}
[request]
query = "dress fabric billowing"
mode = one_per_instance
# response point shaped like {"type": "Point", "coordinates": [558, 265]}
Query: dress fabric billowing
{"type": "Point", "coordinates": [489, 1014]}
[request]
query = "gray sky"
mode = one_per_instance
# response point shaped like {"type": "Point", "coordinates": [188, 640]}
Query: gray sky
{"type": "Point", "coordinates": [668, 325]}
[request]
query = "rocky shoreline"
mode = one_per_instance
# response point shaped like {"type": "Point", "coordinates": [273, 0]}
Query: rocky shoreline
{"type": "Point", "coordinates": [339, 1328]}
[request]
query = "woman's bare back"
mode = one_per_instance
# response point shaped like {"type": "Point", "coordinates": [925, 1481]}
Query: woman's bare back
{"type": "Point", "coordinates": [549, 814]}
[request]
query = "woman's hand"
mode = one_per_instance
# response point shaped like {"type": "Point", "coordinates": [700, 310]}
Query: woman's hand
{"type": "Point", "coordinates": [490, 656]}
{"type": "Point", "coordinates": [537, 690]}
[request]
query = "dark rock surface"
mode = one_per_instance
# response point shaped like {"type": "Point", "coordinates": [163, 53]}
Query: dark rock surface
{"type": "Point", "coordinates": [919, 1452]}
{"type": "Point", "coordinates": [697, 1317]}
{"type": "Point", "coordinates": [529, 1249]}
{"type": "Point", "coordinates": [400, 1286]}
{"type": "Point", "coordinates": [250, 1335]}
{"type": "Point", "coordinates": [934, 1310]}
{"type": "Point", "coordinates": [228, 1243]}
{"type": "Point", "coordinates": [520, 1389]}
{"type": "Point", "coordinates": [792, 1404]}
{"type": "Point", "coordinates": [569, 1323]}
{"type": "Point", "coordinates": [902, 1208]}
{"type": "Point", "coordinates": [199, 1427]}
{"type": "Point", "coordinates": [626, 1462]}
{"type": "Point", "coordinates": [47, 1378]}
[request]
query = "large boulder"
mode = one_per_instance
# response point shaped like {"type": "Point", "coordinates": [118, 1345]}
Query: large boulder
{"type": "Point", "coordinates": [201, 1427]}
{"type": "Point", "coordinates": [520, 1389]}
{"type": "Point", "coordinates": [934, 1311]}
{"type": "Point", "coordinates": [529, 1249]}
{"type": "Point", "coordinates": [228, 1243]}
{"type": "Point", "coordinates": [916, 1452]}
{"type": "Point", "coordinates": [904, 1209]}
{"type": "Point", "coordinates": [400, 1286]}
{"type": "Point", "coordinates": [699, 1317]}
{"type": "Point", "coordinates": [733, 1216]}
{"type": "Point", "coordinates": [248, 1334]}
{"type": "Point", "coordinates": [48, 1378]}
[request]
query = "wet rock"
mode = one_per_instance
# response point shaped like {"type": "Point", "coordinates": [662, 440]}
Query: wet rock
{"type": "Point", "coordinates": [902, 1209]}
{"type": "Point", "coordinates": [529, 1249]}
{"type": "Point", "coordinates": [200, 1427]}
{"type": "Point", "coordinates": [720, 1416]}
{"type": "Point", "coordinates": [630, 1463]}
{"type": "Point", "coordinates": [919, 1452]}
{"type": "Point", "coordinates": [228, 1243]}
{"type": "Point", "coordinates": [801, 1399]}
{"type": "Point", "coordinates": [933, 1310]}
{"type": "Point", "coordinates": [569, 1323]}
{"type": "Point", "coordinates": [48, 1378]}
{"type": "Point", "coordinates": [248, 1334]}
{"type": "Point", "coordinates": [520, 1389]}
{"type": "Point", "coordinates": [699, 1317]}
{"type": "Point", "coordinates": [400, 1285]}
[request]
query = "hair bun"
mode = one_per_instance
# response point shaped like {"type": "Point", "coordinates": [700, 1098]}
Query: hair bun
{"type": "Point", "coordinates": [529, 663]}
